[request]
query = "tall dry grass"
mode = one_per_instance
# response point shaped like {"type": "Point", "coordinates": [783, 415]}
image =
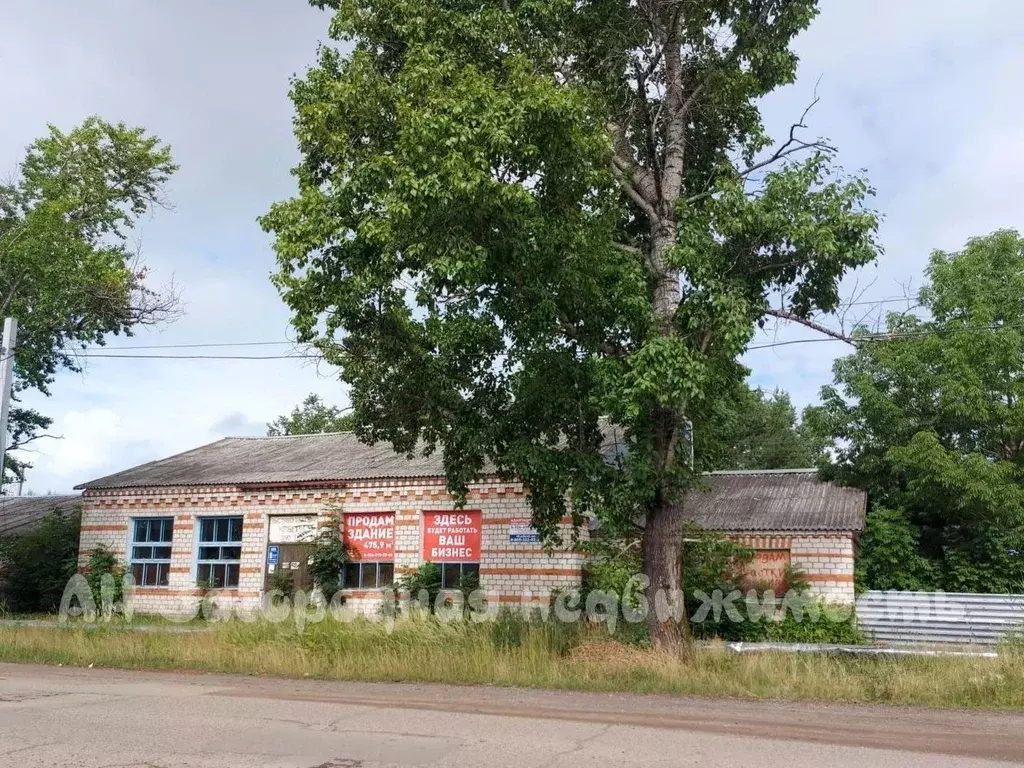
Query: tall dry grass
{"type": "Point", "coordinates": [425, 650]}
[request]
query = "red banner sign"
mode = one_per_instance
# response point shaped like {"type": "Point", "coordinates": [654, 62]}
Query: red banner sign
{"type": "Point", "coordinates": [371, 537]}
{"type": "Point", "coordinates": [451, 537]}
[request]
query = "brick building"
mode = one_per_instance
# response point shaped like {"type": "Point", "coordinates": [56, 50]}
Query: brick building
{"type": "Point", "coordinates": [790, 518]}
{"type": "Point", "coordinates": [233, 514]}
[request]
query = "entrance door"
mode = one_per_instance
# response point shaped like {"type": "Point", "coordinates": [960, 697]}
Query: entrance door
{"type": "Point", "coordinates": [290, 548]}
{"type": "Point", "coordinates": [294, 561]}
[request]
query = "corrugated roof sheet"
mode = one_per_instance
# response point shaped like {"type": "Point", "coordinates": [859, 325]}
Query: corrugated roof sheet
{"type": "Point", "coordinates": [291, 459]}
{"type": "Point", "coordinates": [19, 513]}
{"type": "Point", "coordinates": [756, 500]}
{"type": "Point", "coordinates": [775, 500]}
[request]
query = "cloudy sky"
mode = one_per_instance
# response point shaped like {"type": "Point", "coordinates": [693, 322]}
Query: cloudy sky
{"type": "Point", "coordinates": [924, 94]}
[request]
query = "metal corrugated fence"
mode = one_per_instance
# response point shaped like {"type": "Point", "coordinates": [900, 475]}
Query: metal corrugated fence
{"type": "Point", "coordinates": [939, 617]}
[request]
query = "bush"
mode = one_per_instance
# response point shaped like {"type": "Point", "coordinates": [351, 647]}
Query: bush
{"type": "Point", "coordinates": [426, 578]}
{"type": "Point", "coordinates": [103, 562]}
{"type": "Point", "coordinates": [425, 584]}
{"type": "Point", "coordinates": [36, 566]}
{"type": "Point", "coordinates": [841, 631]}
{"type": "Point", "coordinates": [283, 582]}
{"type": "Point", "coordinates": [712, 562]}
{"type": "Point", "coordinates": [328, 560]}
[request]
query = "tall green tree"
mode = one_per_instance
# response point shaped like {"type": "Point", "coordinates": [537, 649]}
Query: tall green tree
{"type": "Point", "coordinates": [754, 429]}
{"type": "Point", "coordinates": [311, 418]}
{"type": "Point", "coordinates": [929, 419]}
{"type": "Point", "coordinates": [516, 217]}
{"type": "Point", "coordinates": [68, 271]}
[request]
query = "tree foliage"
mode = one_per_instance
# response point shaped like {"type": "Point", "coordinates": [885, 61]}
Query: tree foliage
{"type": "Point", "coordinates": [68, 272]}
{"type": "Point", "coordinates": [929, 419]}
{"type": "Point", "coordinates": [754, 429]}
{"type": "Point", "coordinates": [517, 217]}
{"type": "Point", "coordinates": [36, 566]}
{"type": "Point", "coordinates": [311, 418]}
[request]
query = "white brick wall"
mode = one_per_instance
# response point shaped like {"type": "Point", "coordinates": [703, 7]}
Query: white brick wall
{"type": "Point", "coordinates": [506, 569]}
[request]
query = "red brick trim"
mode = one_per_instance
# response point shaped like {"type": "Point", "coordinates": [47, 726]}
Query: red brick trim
{"type": "Point", "coordinates": [844, 556]}
{"type": "Point", "coordinates": [193, 592]}
{"type": "Point", "coordinates": [104, 528]}
{"type": "Point", "coordinates": [506, 520]}
{"type": "Point", "coordinates": [527, 571]}
{"type": "Point", "coordinates": [532, 551]}
{"type": "Point", "coordinates": [846, 578]}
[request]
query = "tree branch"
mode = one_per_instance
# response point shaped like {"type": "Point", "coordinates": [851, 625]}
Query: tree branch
{"type": "Point", "coordinates": [789, 315]}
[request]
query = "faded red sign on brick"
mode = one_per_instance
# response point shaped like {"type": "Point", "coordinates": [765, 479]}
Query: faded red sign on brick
{"type": "Point", "coordinates": [768, 569]}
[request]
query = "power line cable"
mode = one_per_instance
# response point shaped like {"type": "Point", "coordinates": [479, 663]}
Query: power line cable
{"type": "Point", "coordinates": [198, 346]}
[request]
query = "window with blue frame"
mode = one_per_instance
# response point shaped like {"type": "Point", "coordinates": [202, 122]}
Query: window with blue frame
{"type": "Point", "coordinates": [151, 550]}
{"type": "Point", "coordinates": [220, 551]}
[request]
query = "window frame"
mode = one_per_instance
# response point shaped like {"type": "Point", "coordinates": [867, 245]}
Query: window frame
{"type": "Point", "coordinates": [462, 572]}
{"type": "Point", "coordinates": [166, 527]}
{"type": "Point", "coordinates": [220, 545]}
{"type": "Point", "coordinates": [362, 566]}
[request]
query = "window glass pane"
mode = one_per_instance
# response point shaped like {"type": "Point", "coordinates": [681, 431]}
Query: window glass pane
{"type": "Point", "coordinates": [206, 530]}
{"type": "Point", "coordinates": [231, 577]}
{"type": "Point", "coordinates": [140, 530]}
{"type": "Point", "coordinates": [449, 575]}
{"type": "Point", "coordinates": [217, 572]}
{"type": "Point", "coordinates": [222, 529]}
{"type": "Point", "coordinates": [203, 574]}
{"type": "Point", "coordinates": [142, 553]}
{"type": "Point", "coordinates": [149, 575]}
{"type": "Point", "coordinates": [163, 572]}
{"type": "Point", "coordinates": [209, 553]}
{"type": "Point", "coordinates": [471, 569]}
{"type": "Point", "coordinates": [236, 529]}
{"type": "Point", "coordinates": [137, 572]}
{"type": "Point", "coordinates": [161, 553]}
{"type": "Point", "coordinates": [167, 530]}
{"type": "Point", "coordinates": [230, 553]}
{"type": "Point", "coordinates": [350, 576]}
{"type": "Point", "coordinates": [386, 575]}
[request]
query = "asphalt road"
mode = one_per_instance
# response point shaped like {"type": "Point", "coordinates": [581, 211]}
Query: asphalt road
{"type": "Point", "coordinates": [90, 717]}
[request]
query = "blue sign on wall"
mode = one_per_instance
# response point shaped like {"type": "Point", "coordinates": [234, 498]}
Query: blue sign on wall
{"type": "Point", "coordinates": [273, 555]}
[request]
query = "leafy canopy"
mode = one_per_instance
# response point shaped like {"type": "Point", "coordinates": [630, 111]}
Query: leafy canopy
{"type": "Point", "coordinates": [930, 420]}
{"type": "Point", "coordinates": [310, 418]}
{"type": "Point", "coordinates": [515, 218]}
{"type": "Point", "coordinates": [754, 429]}
{"type": "Point", "coordinates": [67, 270]}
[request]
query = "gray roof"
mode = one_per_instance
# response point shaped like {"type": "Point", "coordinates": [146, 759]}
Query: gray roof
{"type": "Point", "coordinates": [272, 460]}
{"type": "Point", "coordinates": [775, 500]}
{"type": "Point", "coordinates": [18, 514]}
{"type": "Point", "coordinates": [753, 500]}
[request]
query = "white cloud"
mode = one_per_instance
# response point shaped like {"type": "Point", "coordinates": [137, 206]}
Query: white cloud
{"type": "Point", "coordinates": [86, 441]}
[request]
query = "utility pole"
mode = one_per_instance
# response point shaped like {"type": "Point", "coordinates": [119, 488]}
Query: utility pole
{"type": "Point", "coordinates": [6, 384]}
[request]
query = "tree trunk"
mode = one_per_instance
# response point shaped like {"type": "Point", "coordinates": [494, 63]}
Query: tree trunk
{"type": "Point", "coordinates": [661, 548]}
{"type": "Point", "coordinates": [662, 545]}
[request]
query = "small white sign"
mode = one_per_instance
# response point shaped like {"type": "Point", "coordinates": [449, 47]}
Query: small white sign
{"type": "Point", "coordinates": [292, 529]}
{"type": "Point", "coordinates": [521, 531]}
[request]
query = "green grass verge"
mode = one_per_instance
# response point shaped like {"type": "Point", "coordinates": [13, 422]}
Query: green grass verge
{"type": "Point", "coordinates": [424, 650]}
